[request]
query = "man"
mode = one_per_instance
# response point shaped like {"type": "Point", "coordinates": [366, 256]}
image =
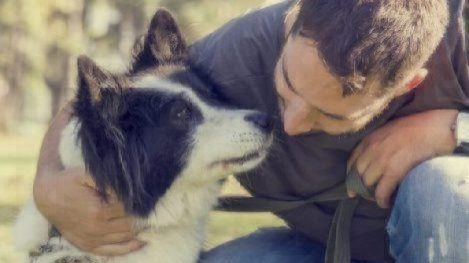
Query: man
{"type": "Point", "coordinates": [351, 82]}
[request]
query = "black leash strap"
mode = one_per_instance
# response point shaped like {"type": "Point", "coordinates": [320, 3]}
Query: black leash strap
{"type": "Point", "coordinates": [261, 204]}
{"type": "Point", "coordinates": [338, 243]}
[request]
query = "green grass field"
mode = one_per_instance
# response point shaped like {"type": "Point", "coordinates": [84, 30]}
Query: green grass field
{"type": "Point", "coordinates": [18, 156]}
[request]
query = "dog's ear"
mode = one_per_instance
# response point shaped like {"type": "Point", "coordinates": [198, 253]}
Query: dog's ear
{"type": "Point", "coordinates": [90, 80]}
{"type": "Point", "coordinates": [162, 44]}
{"type": "Point", "coordinates": [165, 38]}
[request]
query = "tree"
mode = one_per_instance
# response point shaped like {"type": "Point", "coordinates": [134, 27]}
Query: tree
{"type": "Point", "coordinates": [41, 39]}
{"type": "Point", "coordinates": [65, 39]}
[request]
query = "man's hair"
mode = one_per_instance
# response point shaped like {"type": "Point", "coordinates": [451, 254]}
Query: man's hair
{"type": "Point", "coordinates": [363, 39]}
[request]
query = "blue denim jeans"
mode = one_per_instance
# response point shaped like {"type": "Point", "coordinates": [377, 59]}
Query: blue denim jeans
{"type": "Point", "coordinates": [429, 223]}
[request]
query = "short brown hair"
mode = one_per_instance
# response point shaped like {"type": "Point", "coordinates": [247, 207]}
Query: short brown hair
{"type": "Point", "coordinates": [382, 38]}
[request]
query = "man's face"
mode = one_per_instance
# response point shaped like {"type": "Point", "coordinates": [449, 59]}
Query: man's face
{"type": "Point", "coordinates": [310, 97]}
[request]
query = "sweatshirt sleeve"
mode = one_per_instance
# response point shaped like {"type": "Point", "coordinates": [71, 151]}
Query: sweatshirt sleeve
{"type": "Point", "coordinates": [447, 83]}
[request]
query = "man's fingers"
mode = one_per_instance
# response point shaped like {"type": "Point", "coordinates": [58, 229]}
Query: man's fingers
{"type": "Point", "coordinates": [88, 181]}
{"type": "Point", "coordinates": [115, 238]}
{"type": "Point", "coordinates": [352, 164]}
{"type": "Point", "coordinates": [97, 231]}
{"type": "Point", "coordinates": [81, 176]}
{"type": "Point", "coordinates": [370, 154]}
{"type": "Point", "coordinates": [123, 224]}
{"type": "Point", "coordinates": [373, 173]}
{"type": "Point", "coordinates": [80, 241]}
{"type": "Point", "coordinates": [360, 165]}
{"type": "Point", "coordinates": [111, 245]}
{"type": "Point", "coordinates": [112, 199]}
{"type": "Point", "coordinates": [356, 153]}
{"type": "Point", "coordinates": [119, 248]}
{"type": "Point", "coordinates": [114, 208]}
{"type": "Point", "coordinates": [351, 194]}
{"type": "Point", "coordinates": [386, 186]}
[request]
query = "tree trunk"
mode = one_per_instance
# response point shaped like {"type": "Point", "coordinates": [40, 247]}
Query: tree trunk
{"type": "Point", "coordinates": [60, 71]}
{"type": "Point", "coordinates": [12, 99]}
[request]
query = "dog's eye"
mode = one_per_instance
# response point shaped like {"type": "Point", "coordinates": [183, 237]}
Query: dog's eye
{"type": "Point", "coordinates": [183, 114]}
{"type": "Point", "coordinates": [180, 112]}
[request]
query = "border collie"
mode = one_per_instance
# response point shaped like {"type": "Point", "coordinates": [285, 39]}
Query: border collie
{"type": "Point", "coordinates": [161, 140]}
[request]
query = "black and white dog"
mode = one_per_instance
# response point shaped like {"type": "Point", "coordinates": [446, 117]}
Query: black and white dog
{"type": "Point", "coordinates": [161, 141]}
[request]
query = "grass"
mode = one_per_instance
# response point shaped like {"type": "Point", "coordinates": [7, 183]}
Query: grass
{"type": "Point", "coordinates": [18, 157]}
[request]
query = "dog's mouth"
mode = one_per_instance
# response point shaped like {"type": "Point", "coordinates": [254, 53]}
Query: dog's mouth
{"type": "Point", "coordinates": [244, 159]}
{"type": "Point", "coordinates": [240, 160]}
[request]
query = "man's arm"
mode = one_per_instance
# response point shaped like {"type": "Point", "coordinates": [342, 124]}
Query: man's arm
{"type": "Point", "coordinates": [68, 200]}
{"type": "Point", "coordinates": [385, 157]}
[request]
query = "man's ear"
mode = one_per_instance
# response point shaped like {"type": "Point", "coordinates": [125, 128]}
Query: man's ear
{"type": "Point", "coordinates": [414, 82]}
{"type": "Point", "coordinates": [90, 80]}
{"type": "Point", "coordinates": [162, 44]}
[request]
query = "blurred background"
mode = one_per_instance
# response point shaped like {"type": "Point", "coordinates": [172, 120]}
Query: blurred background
{"type": "Point", "coordinates": [40, 40]}
{"type": "Point", "coordinates": [39, 43]}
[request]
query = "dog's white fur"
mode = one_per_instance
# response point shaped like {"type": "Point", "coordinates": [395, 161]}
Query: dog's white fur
{"type": "Point", "coordinates": [175, 231]}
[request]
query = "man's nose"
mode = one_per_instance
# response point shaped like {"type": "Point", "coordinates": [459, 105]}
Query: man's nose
{"type": "Point", "coordinates": [297, 120]}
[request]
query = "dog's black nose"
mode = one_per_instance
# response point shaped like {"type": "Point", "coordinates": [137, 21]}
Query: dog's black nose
{"type": "Point", "coordinates": [261, 120]}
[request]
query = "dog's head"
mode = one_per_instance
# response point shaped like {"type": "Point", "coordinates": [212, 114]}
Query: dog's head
{"type": "Point", "coordinates": [140, 131]}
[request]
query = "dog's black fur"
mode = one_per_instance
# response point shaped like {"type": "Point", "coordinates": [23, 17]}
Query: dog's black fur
{"type": "Point", "coordinates": [118, 124]}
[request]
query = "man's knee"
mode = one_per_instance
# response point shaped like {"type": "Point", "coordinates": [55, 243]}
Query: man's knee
{"type": "Point", "coordinates": [430, 212]}
{"type": "Point", "coordinates": [435, 191]}
{"type": "Point", "coordinates": [445, 177]}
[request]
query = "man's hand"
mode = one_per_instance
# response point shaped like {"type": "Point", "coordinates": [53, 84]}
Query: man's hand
{"type": "Point", "coordinates": [385, 157]}
{"type": "Point", "coordinates": [67, 198]}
